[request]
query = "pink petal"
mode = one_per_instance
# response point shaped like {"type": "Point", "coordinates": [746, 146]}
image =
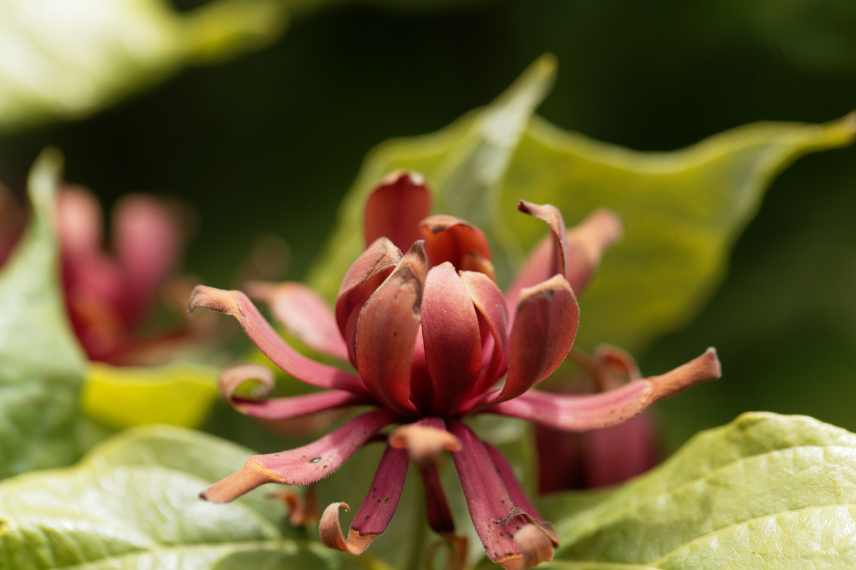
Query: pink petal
{"type": "Point", "coordinates": [490, 306]}
{"type": "Point", "coordinates": [583, 413]}
{"type": "Point", "coordinates": [496, 516]}
{"type": "Point", "coordinates": [147, 239]}
{"type": "Point", "coordinates": [543, 333]}
{"type": "Point", "coordinates": [448, 238]}
{"type": "Point", "coordinates": [387, 327]}
{"type": "Point", "coordinates": [551, 216]}
{"type": "Point", "coordinates": [303, 465]}
{"type": "Point", "coordinates": [585, 245]}
{"type": "Point", "coordinates": [278, 409]}
{"type": "Point", "coordinates": [452, 339]}
{"type": "Point", "coordinates": [395, 207]}
{"type": "Point", "coordinates": [304, 314]}
{"type": "Point", "coordinates": [365, 275]}
{"type": "Point", "coordinates": [79, 221]}
{"type": "Point", "coordinates": [376, 510]}
{"type": "Point", "coordinates": [237, 305]}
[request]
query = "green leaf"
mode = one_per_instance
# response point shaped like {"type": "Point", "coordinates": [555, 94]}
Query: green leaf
{"type": "Point", "coordinates": [42, 366]}
{"type": "Point", "coordinates": [766, 491]}
{"type": "Point", "coordinates": [682, 210]}
{"type": "Point", "coordinates": [176, 394]}
{"type": "Point", "coordinates": [64, 60]}
{"type": "Point", "coordinates": [133, 503]}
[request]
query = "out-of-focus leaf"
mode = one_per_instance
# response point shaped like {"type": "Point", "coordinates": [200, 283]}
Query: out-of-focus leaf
{"type": "Point", "coordinates": [63, 59]}
{"type": "Point", "coordinates": [175, 394]}
{"type": "Point", "coordinates": [682, 210]}
{"type": "Point", "coordinates": [766, 491]}
{"type": "Point", "coordinates": [133, 503]}
{"type": "Point", "coordinates": [41, 366]}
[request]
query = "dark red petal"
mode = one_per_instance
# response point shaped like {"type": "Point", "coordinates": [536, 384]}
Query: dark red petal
{"type": "Point", "coordinates": [495, 515]}
{"type": "Point", "coordinates": [515, 490]}
{"type": "Point", "coordinates": [387, 327]}
{"type": "Point", "coordinates": [448, 238]}
{"type": "Point", "coordinates": [585, 245]}
{"type": "Point", "coordinates": [235, 381]}
{"type": "Point", "coordinates": [376, 510]}
{"type": "Point", "coordinates": [304, 314]}
{"type": "Point", "coordinates": [395, 207]}
{"type": "Point", "coordinates": [303, 465]}
{"type": "Point", "coordinates": [542, 335]}
{"type": "Point", "coordinates": [439, 513]}
{"type": "Point", "coordinates": [237, 305]}
{"type": "Point", "coordinates": [583, 413]}
{"type": "Point", "coordinates": [450, 329]}
{"type": "Point", "coordinates": [365, 275]}
{"type": "Point", "coordinates": [490, 305]}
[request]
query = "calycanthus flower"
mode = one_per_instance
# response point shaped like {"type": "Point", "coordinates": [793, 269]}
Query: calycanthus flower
{"type": "Point", "coordinates": [107, 297]}
{"type": "Point", "coordinates": [432, 340]}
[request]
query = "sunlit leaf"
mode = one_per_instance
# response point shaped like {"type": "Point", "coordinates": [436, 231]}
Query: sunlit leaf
{"type": "Point", "coordinates": [133, 503]}
{"type": "Point", "coordinates": [63, 59]}
{"type": "Point", "coordinates": [41, 366]}
{"type": "Point", "coordinates": [175, 394]}
{"type": "Point", "coordinates": [764, 491]}
{"type": "Point", "coordinates": [682, 210]}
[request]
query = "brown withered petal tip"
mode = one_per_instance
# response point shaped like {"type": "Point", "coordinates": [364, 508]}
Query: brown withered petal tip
{"type": "Point", "coordinates": [424, 443]}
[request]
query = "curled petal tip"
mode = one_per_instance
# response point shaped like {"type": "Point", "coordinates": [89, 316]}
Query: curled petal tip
{"type": "Point", "coordinates": [233, 486]}
{"type": "Point", "coordinates": [330, 531]}
{"type": "Point", "coordinates": [424, 443]}
{"type": "Point", "coordinates": [536, 546]}
{"type": "Point", "coordinates": [213, 299]}
{"type": "Point", "coordinates": [408, 176]}
{"type": "Point", "coordinates": [247, 381]}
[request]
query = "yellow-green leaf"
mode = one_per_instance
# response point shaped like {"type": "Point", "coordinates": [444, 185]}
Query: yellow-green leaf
{"type": "Point", "coordinates": [176, 394]}
{"type": "Point", "coordinates": [682, 210]}
{"type": "Point", "coordinates": [133, 503]}
{"type": "Point", "coordinates": [63, 59]}
{"type": "Point", "coordinates": [765, 491]}
{"type": "Point", "coordinates": [41, 366]}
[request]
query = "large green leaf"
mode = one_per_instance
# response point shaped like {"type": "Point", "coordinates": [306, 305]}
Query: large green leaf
{"type": "Point", "coordinates": [682, 210]}
{"type": "Point", "coordinates": [62, 59]}
{"type": "Point", "coordinates": [766, 491]}
{"type": "Point", "coordinates": [133, 503]}
{"type": "Point", "coordinates": [42, 368]}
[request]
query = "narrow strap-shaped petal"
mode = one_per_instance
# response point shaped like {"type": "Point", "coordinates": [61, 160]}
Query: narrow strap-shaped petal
{"type": "Point", "coordinates": [587, 412]}
{"type": "Point", "coordinates": [490, 305]}
{"type": "Point", "coordinates": [395, 207]}
{"type": "Point", "coordinates": [303, 465]}
{"type": "Point", "coordinates": [515, 490]}
{"type": "Point", "coordinates": [238, 306]}
{"type": "Point", "coordinates": [364, 275]}
{"type": "Point", "coordinates": [247, 386]}
{"type": "Point", "coordinates": [304, 314]}
{"type": "Point", "coordinates": [585, 244]}
{"type": "Point", "coordinates": [551, 216]}
{"type": "Point", "coordinates": [376, 510]}
{"type": "Point", "coordinates": [542, 335]}
{"type": "Point", "coordinates": [448, 238]}
{"type": "Point", "coordinates": [450, 329]}
{"type": "Point", "coordinates": [497, 518]}
{"type": "Point", "coordinates": [424, 440]}
{"type": "Point", "coordinates": [441, 521]}
{"type": "Point", "coordinates": [387, 327]}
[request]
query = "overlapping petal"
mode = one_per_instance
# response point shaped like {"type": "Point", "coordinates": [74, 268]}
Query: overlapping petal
{"type": "Point", "coordinates": [395, 207]}
{"type": "Point", "coordinates": [448, 238]}
{"type": "Point", "coordinates": [238, 306]}
{"type": "Point", "coordinates": [304, 314]}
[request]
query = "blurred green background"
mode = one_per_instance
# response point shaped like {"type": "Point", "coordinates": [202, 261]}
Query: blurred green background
{"type": "Point", "coordinates": [271, 141]}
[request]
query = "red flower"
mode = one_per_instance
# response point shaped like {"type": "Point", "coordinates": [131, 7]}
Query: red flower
{"type": "Point", "coordinates": [108, 296]}
{"type": "Point", "coordinates": [431, 338]}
